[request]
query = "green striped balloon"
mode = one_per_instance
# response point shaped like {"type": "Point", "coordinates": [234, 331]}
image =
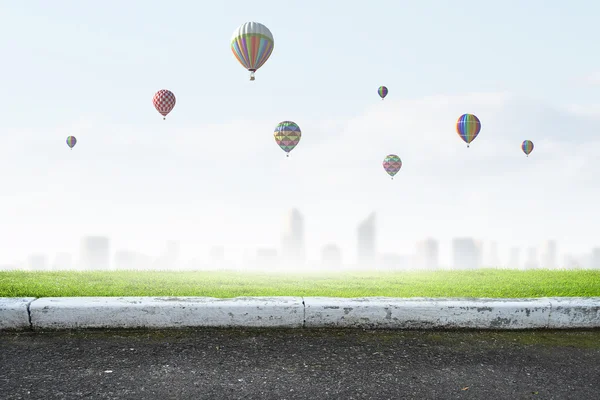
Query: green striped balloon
{"type": "Point", "coordinates": [71, 142]}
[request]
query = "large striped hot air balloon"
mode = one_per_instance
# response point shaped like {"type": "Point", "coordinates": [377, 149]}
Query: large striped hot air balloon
{"type": "Point", "coordinates": [468, 127]}
{"type": "Point", "coordinates": [164, 101]}
{"type": "Point", "coordinates": [383, 91]}
{"type": "Point", "coordinates": [287, 135]}
{"type": "Point", "coordinates": [392, 164]}
{"type": "Point", "coordinates": [527, 147]}
{"type": "Point", "coordinates": [252, 44]}
{"type": "Point", "coordinates": [71, 141]}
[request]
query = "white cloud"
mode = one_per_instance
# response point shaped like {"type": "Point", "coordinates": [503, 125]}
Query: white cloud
{"type": "Point", "coordinates": [590, 111]}
{"type": "Point", "coordinates": [593, 78]}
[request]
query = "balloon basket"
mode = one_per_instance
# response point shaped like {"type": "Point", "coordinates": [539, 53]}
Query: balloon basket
{"type": "Point", "coordinates": [252, 75]}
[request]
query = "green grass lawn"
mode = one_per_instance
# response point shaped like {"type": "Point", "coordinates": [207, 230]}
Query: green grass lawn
{"type": "Point", "coordinates": [478, 283]}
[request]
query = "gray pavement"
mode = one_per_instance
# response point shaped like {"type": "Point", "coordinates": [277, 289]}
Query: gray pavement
{"type": "Point", "coordinates": [214, 363]}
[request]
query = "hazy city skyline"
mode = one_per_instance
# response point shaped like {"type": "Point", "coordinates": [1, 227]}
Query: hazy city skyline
{"type": "Point", "coordinates": [98, 252]}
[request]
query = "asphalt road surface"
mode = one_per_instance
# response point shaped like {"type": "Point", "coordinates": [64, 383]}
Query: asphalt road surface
{"type": "Point", "coordinates": [299, 364]}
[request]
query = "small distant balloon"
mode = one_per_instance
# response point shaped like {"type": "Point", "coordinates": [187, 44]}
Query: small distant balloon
{"type": "Point", "coordinates": [71, 141]}
{"type": "Point", "coordinates": [392, 164]}
{"type": "Point", "coordinates": [383, 91]}
{"type": "Point", "coordinates": [164, 101]}
{"type": "Point", "coordinates": [468, 127]}
{"type": "Point", "coordinates": [287, 135]}
{"type": "Point", "coordinates": [527, 147]}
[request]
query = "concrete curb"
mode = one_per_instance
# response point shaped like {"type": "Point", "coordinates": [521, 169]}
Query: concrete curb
{"type": "Point", "coordinates": [56, 313]}
{"type": "Point", "coordinates": [425, 313]}
{"type": "Point", "coordinates": [574, 312]}
{"type": "Point", "coordinates": [14, 313]}
{"type": "Point", "coordinates": [166, 312]}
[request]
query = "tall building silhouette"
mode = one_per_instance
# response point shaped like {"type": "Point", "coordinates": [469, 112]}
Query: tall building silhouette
{"type": "Point", "coordinates": [95, 253]}
{"type": "Point", "coordinates": [38, 262]}
{"type": "Point", "coordinates": [479, 253]}
{"type": "Point", "coordinates": [514, 259]}
{"type": "Point", "coordinates": [172, 253]}
{"type": "Point", "coordinates": [494, 259]}
{"type": "Point", "coordinates": [331, 256]}
{"type": "Point", "coordinates": [467, 253]}
{"type": "Point", "coordinates": [216, 257]}
{"type": "Point", "coordinates": [267, 258]}
{"type": "Point", "coordinates": [395, 262]}
{"type": "Point", "coordinates": [549, 255]}
{"type": "Point", "coordinates": [532, 259]}
{"type": "Point", "coordinates": [169, 259]}
{"type": "Point", "coordinates": [427, 256]}
{"type": "Point", "coordinates": [572, 262]}
{"type": "Point", "coordinates": [595, 258]}
{"type": "Point", "coordinates": [62, 261]}
{"type": "Point", "coordinates": [126, 260]}
{"type": "Point", "coordinates": [293, 251]}
{"type": "Point", "coordinates": [366, 242]}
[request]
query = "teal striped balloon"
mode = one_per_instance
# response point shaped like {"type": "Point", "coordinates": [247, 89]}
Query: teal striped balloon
{"type": "Point", "coordinates": [468, 127]}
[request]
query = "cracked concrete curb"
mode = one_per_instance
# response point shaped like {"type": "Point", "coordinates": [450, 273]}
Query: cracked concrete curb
{"type": "Point", "coordinates": [14, 312]}
{"type": "Point", "coordinates": [57, 313]}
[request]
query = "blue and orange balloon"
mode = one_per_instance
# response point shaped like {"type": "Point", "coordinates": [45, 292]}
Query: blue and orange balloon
{"type": "Point", "coordinates": [468, 127]}
{"type": "Point", "coordinates": [383, 91]}
{"type": "Point", "coordinates": [527, 147]}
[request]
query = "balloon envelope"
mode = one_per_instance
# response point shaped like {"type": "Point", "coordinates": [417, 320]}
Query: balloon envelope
{"type": "Point", "coordinates": [468, 127]}
{"type": "Point", "coordinates": [392, 164]}
{"type": "Point", "coordinates": [71, 141]}
{"type": "Point", "coordinates": [527, 146]}
{"type": "Point", "coordinates": [252, 44]}
{"type": "Point", "coordinates": [383, 91]}
{"type": "Point", "coordinates": [164, 101]}
{"type": "Point", "coordinates": [287, 135]}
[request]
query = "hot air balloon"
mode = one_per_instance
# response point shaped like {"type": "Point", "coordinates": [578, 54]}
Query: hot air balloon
{"type": "Point", "coordinates": [164, 101]}
{"type": "Point", "coordinates": [383, 91]}
{"type": "Point", "coordinates": [392, 164]}
{"type": "Point", "coordinates": [71, 141]}
{"type": "Point", "coordinates": [527, 147]}
{"type": "Point", "coordinates": [468, 127]}
{"type": "Point", "coordinates": [252, 44]}
{"type": "Point", "coordinates": [287, 135]}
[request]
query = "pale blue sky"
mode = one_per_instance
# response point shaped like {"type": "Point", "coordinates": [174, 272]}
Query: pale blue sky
{"type": "Point", "coordinates": [213, 170]}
